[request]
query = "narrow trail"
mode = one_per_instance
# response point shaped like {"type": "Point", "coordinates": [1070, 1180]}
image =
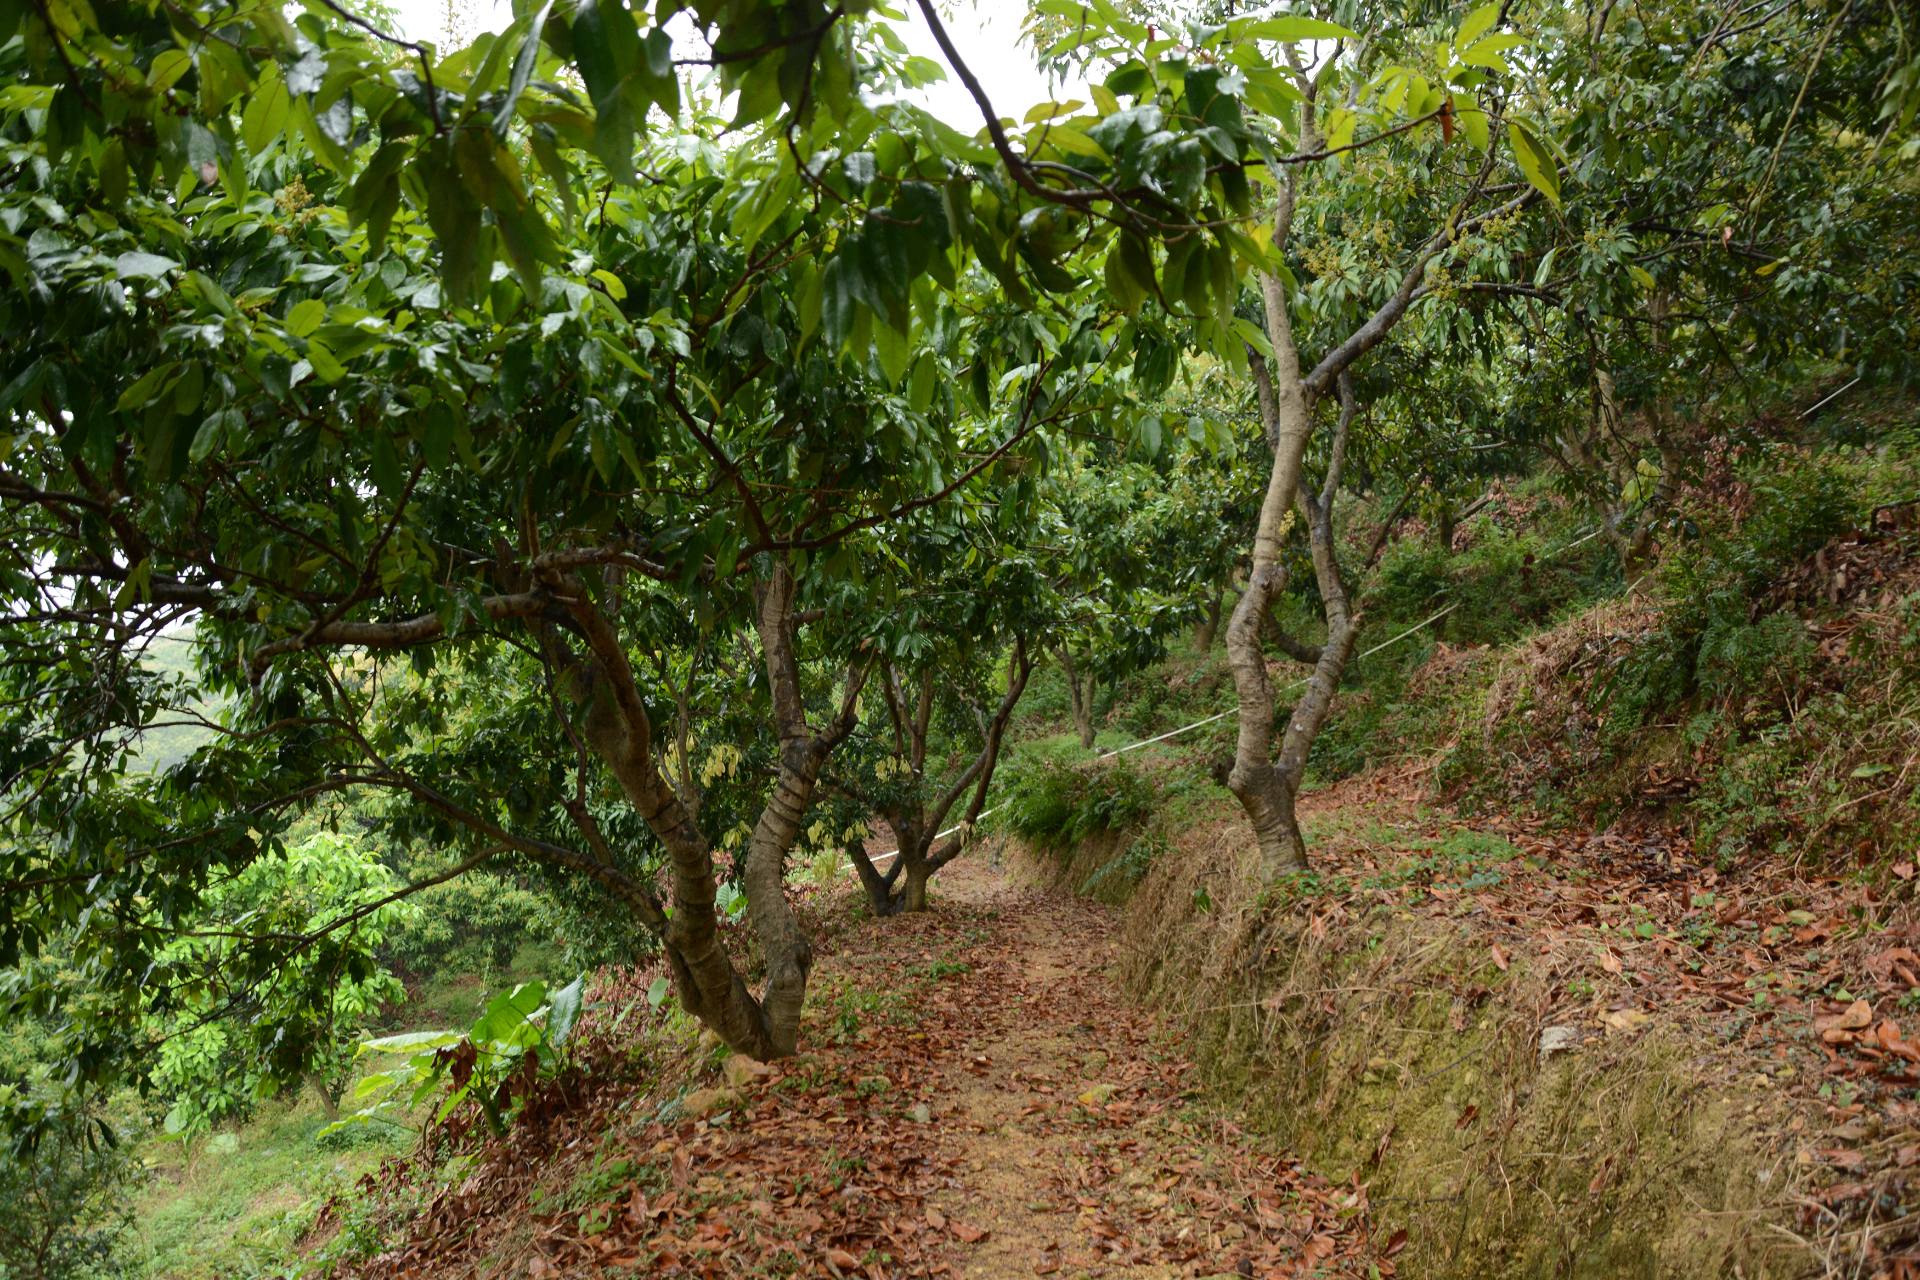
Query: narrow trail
{"type": "Point", "coordinates": [975, 1098]}
{"type": "Point", "coordinates": [1081, 1143]}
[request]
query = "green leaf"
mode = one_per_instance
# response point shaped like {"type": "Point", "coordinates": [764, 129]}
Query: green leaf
{"type": "Point", "coordinates": [305, 317]}
{"type": "Point", "coordinates": [410, 1041]}
{"type": "Point", "coordinates": [1126, 290]}
{"type": "Point", "coordinates": [1536, 162]}
{"type": "Point", "coordinates": [563, 1011]}
{"type": "Point", "coordinates": [1340, 126]}
{"type": "Point", "coordinates": [113, 172]}
{"type": "Point", "coordinates": [168, 66]}
{"type": "Point", "coordinates": [326, 366]}
{"type": "Point", "coordinates": [146, 387]}
{"type": "Point", "coordinates": [1289, 28]}
{"type": "Point", "coordinates": [380, 172]}
{"type": "Point", "coordinates": [1136, 259]}
{"type": "Point", "coordinates": [1486, 53]}
{"type": "Point", "coordinates": [266, 115]}
{"type": "Point", "coordinates": [523, 65]}
{"type": "Point", "coordinates": [1472, 119]}
{"type": "Point", "coordinates": [142, 266]}
{"type": "Point", "coordinates": [1476, 24]}
{"type": "Point", "coordinates": [895, 352]}
{"type": "Point", "coordinates": [615, 289]}
{"type": "Point", "coordinates": [920, 389]}
{"type": "Point", "coordinates": [207, 438]}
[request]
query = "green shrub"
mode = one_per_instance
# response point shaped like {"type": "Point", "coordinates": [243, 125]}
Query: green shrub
{"type": "Point", "coordinates": [222, 1048]}
{"type": "Point", "coordinates": [1126, 869]}
{"type": "Point", "coordinates": [1055, 805]}
{"type": "Point", "coordinates": [66, 1186]}
{"type": "Point", "coordinates": [1503, 585]}
{"type": "Point", "coordinates": [1719, 640]}
{"type": "Point", "coordinates": [474, 923]}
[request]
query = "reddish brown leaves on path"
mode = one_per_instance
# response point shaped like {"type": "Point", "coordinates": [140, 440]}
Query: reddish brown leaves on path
{"type": "Point", "coordinates": [974, 1100]}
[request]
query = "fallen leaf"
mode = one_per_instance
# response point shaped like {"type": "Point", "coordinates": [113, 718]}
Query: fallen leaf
{"type": "Point", "coordinates": [1889, 1037]}
{"type": "Point", "coordinates": [841, 1260]}
{"type": "Point", "coordinates": [937, 1220]}
{"type": "Point", "coordinates": [1625, 1021]}
{"type": "Point", "coordinates": [1610, 962]}
{"type": "Point", "coordinates": [1499, 958]}
{"type": "Point", "coordinates": [970, 1235]}
{"type": "Point", "coordinates": [1857, 1017]}
{"type": "Point", "coordinates": [1903, 869]}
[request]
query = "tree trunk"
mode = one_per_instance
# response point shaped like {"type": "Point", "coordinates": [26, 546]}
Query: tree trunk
{"type": "Point", "coordinates": [328, 1093]}
{"type": "Point", "coordinates": [1288, 409]}
{"type": "Point", "coordinates": [917, 824]}
{"type": "Point", "coordinates": [913, 894]}
{"type": "Point", "coordinates": [903, 885]}
{"type": "Point", "coordinates": [618, 728]}
{"type": "Point", "coordinates": [1080, 696]}
{"type": "Point", "coordinates": [877, 884]}
{"type": "Point", "coordinates": [1209, 626]}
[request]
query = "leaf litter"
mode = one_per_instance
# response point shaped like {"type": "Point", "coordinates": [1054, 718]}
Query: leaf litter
{"type": "Point", "coordinates": [973, 1098]}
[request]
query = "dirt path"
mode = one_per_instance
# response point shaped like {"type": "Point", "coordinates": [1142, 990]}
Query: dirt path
{"type": "Point", "coordinates": [1079, 1143]}
{"type": "Point", "coordinates": [976, 1099]}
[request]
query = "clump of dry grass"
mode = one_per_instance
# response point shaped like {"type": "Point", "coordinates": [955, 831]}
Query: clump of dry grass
{"type": "Point", "coordinates": [1544, 676]}
{"type": "Point", "coordinates": [1388, 1048]}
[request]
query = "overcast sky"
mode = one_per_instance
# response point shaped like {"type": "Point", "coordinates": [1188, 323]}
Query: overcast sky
{"type": "Point", "coordinates": [985, 31]}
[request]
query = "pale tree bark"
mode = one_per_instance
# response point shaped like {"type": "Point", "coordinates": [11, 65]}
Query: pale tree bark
{"type": "Point", "coordinates": [1609, 450]}
{"type": "Point", "coordinates": [1286, 411]}
{"type": "Point", "coordinates": [1267, 783]}
{"type": "Point", "coordinates": [917, 823]}
{"type": "Point", "coordinates": [1209, 625]}
{"type": "Point", "coordinates": [1080, 691]}
{"type": "Point", "coordinates": [327, 1091]}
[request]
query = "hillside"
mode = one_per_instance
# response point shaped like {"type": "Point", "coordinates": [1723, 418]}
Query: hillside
{"type": "Point", "coordinates": [1551, 993]}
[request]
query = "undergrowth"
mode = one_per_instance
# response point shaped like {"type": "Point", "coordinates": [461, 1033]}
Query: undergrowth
{"type": "Point", "coordinates": [1761, 688]}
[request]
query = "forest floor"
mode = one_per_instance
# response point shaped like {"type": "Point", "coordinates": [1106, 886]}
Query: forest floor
{"type": "Point", "coordinates": [977, 1100]}
{"type": "Point", "coordinates": [979, 1096]}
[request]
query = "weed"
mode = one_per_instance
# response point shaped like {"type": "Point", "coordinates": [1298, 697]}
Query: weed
{"type": "Point", "coordinates": [945, 967]}
{"type": "Point", "coordinates": [1130, 866]}
{"type": "Point", "coordinates": [1055, 806]}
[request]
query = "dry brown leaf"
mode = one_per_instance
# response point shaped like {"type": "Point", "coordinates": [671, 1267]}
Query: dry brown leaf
{"type": "Point", "coordinates": [1857, 1017]}
{"type": "Point", "coordinates": [1625, 1021]}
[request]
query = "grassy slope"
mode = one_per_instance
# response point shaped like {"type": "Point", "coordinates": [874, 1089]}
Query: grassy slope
{"type": "Point", "coordinates": [165, 746]}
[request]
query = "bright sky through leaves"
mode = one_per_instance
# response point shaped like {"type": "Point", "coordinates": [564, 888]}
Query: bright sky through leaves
{"type": "Point", "coordinates": [987, 33]}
